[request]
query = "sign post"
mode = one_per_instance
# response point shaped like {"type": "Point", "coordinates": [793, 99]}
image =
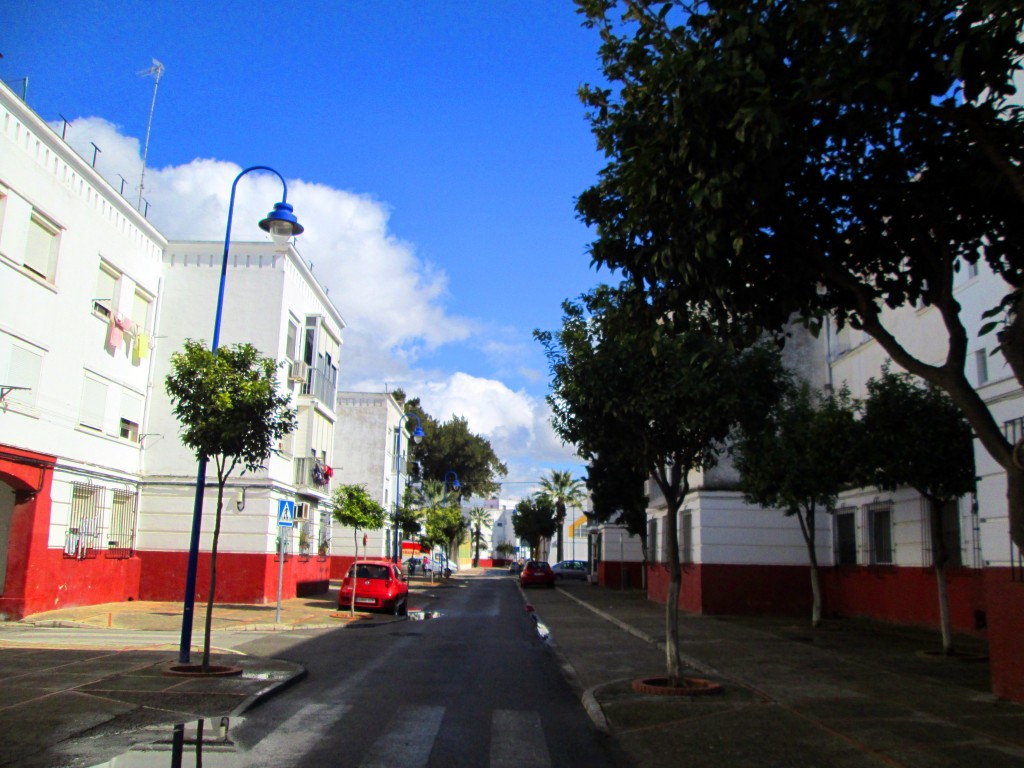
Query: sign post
{"type": "Point", "coordinates": [285, 519]}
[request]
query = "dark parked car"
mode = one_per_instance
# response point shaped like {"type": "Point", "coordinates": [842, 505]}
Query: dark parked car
{"type": "Point", "coordinates": [570, 569]}
{"type": "Point", "coordinates": [537, 573]}
{"type": "Point", "coordinates": [379, 586]}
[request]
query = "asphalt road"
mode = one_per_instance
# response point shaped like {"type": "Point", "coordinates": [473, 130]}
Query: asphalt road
{"type": "Point", "coordinates": [476, 686]}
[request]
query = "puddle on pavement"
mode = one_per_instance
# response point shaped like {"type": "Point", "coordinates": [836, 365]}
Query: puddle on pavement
{"type": "Point", "coordinates": [423, 615]}
{"type": "Point", "coordinates": [197, 744]}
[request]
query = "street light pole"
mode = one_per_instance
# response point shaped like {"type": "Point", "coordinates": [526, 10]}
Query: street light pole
{"type": "Point", "coordinates": [282, 225]}
{"type": "Point", "coordinates": [417, 437]}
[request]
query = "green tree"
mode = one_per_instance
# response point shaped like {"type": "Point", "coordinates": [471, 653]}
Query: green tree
{"type": "Point", "coordinates": [354, 508]}
{"type": "Point", "coordinates": [479, 521]}
{"type": "Point", "coordinates": [563, 491]}
{"type": "Point", "coordinates": [230, 411]}
{"type": "Point", "coordinates": [451, 446]}
{"type": "Point", "coordinates": [629, 382]}
{"type": "Point", "coordinates": [769, 159]}
{"type": "Point", "coordinates": [903, 422]}
{"type": "Point", "coordinates": [534, 520]}
{"type": "Point", "coordinates": [798, 459]}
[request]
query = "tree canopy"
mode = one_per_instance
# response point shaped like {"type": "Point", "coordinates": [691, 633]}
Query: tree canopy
{"type": "Point", "coordinates": [230, 410]}
{"type": "Point", "coordinates": [819, 158]}
{"type": "Point", "coordinates": [629, 385]}
{"type": "Point", "coordinates": [533, 520]}
{"type": "Point", "coordinates": [450, 446]}
{"type": "Point", "coordinates": [798, 459]}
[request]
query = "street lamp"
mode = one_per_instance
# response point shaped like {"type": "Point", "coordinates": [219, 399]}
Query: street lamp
{"type": "Point", "coordinates": [417, 437]}
{"type": "Point", "coordinates": [282, 225]}
{"type": "Point", "coordinates": [455, 483]}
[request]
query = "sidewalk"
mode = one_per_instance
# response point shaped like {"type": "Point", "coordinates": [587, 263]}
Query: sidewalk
{"type": "Point", "coordinates": [851, 694]}
{"type": "Point", "coordinates": [848, 694]}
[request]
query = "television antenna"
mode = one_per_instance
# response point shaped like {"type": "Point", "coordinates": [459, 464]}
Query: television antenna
{"type": "Point", "coordinates": [156, 71]}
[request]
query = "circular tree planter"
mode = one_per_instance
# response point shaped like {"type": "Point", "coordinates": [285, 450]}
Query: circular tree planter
{"type": "Point", "coordinates": [691, 686]}
{"type": "Point", "coordinates": [197, 670]}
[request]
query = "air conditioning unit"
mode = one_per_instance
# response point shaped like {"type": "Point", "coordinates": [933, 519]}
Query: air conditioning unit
{"type": "Point", "coordinates": [298, 371]}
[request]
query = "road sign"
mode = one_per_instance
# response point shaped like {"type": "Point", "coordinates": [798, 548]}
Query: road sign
{"type": "Point", "coordinates": [286, 513]}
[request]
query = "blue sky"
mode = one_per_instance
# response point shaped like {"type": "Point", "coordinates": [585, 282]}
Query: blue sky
{"type": "Point", "coordinates": [433, 151]}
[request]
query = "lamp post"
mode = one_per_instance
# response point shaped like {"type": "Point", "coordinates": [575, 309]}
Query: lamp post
{"type": "Point", "coordinates": [455, 483]}
{"type": "Point", "coordinates": [417, 437]}
{"type": "Point", "coordinates": [282, 225]}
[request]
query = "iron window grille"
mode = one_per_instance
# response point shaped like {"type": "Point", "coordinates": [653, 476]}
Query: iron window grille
{"type": "Point", "coordinates": [121, 535]}
{"type": "Point", "coordinates": [81, 540]}
{"type": "Point", "coordinates": [845, 544]}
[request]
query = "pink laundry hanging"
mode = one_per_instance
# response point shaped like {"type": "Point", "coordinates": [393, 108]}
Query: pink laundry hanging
{"type": "Point", "coordinates": [118, 325]}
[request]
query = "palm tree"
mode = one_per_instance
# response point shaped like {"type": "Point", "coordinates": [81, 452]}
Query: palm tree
{"type": "Point", "coordinates": [562, 491]}
{"type": "Point", "coordinates": [479, 518]}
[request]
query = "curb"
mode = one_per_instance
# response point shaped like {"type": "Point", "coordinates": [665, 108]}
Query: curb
{"type": "Point", "coordinates": [588, 697]}
{"type": "Point", "coordinates": [270, 691]}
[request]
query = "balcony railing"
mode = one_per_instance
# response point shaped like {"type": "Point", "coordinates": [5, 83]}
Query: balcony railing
{"type": "Point", "coordinates": [323, 386]}
{"type": "Point", "coordinates": [312, 473]}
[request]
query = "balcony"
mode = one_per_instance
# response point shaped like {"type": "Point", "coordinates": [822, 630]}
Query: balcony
{"type": "Point", "coordinates": [323, 385]}
{"type": "Point", "coordinates": [312, 475]}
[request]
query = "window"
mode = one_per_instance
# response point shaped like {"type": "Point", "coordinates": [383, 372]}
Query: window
{"type": "Point", "coordinates": [41, 248]}
{"type": "Point", "coordinates": [652, 539]}
{"type": "Point", "coordinates": [305, 537]}
{"type": "Point", "coordinates": [291, 345]}
{"type": "Point", "coordinates": [131, 415]}
{"type": "Point", "coordinates": [140, 310]}
{"type": "Point", "coordinates": [324, 540]}
{"type": "Point", "coordinates": [880, 528]}
{"type": "Point", "coordinates": [846, 537]}
{"type": "Point", "coordinates": [686, 545]}
{"type": "Point", "coordinates": [106, 287]}
{"type": "Point", "coordinates": [94, 404]}
{"type": "Point", "coordinates": [981, 366]}
{"type": "Point", "coordinates": [121, 536]}
{"type": "Point", "coordinates": [84, 521]}
{"type": "Point", "coordinates": [23, 371]}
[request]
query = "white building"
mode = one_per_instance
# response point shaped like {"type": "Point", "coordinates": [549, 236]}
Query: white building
{"type": "Point", "coordinates": [272, 301]}
{"type": "Point", "coordinates": [370, 449]}
{"type": "Point", "coordinates": [96, 490]}
{"type": "Point", "coordinates": [79, 277]}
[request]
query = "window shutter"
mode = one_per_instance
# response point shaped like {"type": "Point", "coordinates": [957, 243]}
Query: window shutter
{"type": "Point", "coordinates": [94, 403]}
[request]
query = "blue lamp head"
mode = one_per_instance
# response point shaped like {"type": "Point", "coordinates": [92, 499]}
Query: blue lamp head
{"type": "Point", "coordinates": [418, 434]}
{"type": "Point", "coordinates": [281, 224]}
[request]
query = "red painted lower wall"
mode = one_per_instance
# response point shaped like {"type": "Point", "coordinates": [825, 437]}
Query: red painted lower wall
{"type": "Point", "coordinates": [906, 596]}
{"type": "Point", "coordinates": [735, 589]}
{"type": "Point", "coordinates": [616, 575]}
{"type": "Point", "coordinates": [241, 577]}
{"type": "Point", "coordinates": [1004, 599]}
{"type": "Point", "coordinates": [897, 595]}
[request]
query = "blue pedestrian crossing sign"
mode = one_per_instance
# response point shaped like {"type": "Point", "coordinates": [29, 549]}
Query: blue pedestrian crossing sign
{"type": "Point", "coordinates": [286, 513]}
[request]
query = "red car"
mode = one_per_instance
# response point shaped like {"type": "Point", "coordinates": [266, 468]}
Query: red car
{"type": "Point", "coordinates": [537, 573]}
{"type": "Point", "coordinates": [379, 586]}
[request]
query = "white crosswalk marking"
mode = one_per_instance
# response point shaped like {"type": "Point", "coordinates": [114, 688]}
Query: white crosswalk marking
{"type": "Point", "coordinates": [517, 740]}
{"type": "Point", "coordinates": [407, 739]}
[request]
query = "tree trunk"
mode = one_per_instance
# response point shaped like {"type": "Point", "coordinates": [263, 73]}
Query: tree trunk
{"type": "Point", "coordinates": [807, 527]}
{"type": "Point", "coordinates": [939, 558]}
{"type": "Point", "coordinates": [672, 662]}
{"type": "Point", "coordinates": [208, 629]}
